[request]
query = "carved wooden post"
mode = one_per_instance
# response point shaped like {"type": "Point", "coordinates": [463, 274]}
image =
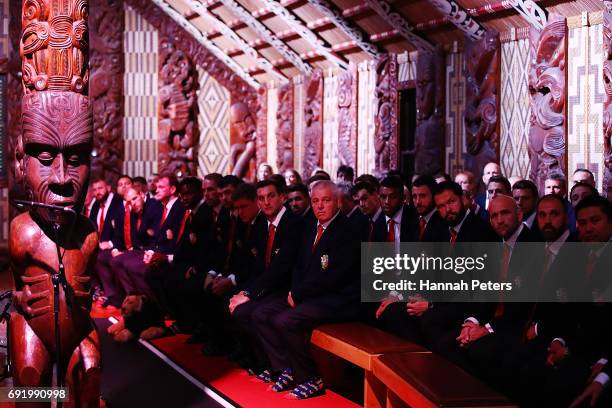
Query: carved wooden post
{"type": "Point", "coordinates": [242, 137]}
{"type": "Point", "coordinates": [313, 123]}
{"type": "Point", "coordinates": [178, 129]}
{"type": "Point", "coordinates": [261, 154]}
{"type": "Point", "coordinates": [607, 117]}
{"type": "Point", "coordinates": [14, 92]}
{"type": "Point", "coordinates": [347, 117]}
{"type": "Point", "coordinates": [284, 128]}
{"type": "Point", "coordinates": [106, 88]}
{"type": "Point", "coordinates": [385, 137]}
{"type": "Point", "coordinates": [547, 86]}
{"type": "Point", "coordinates": [430, 98]}
{"type": "Point", "coordinates": [52, 273]}
{"type": "Point", "coordinates": [482, 76]}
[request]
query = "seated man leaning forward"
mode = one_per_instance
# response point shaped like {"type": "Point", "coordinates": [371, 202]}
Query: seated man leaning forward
{"type": "Point", "coordinates": [324, 288]}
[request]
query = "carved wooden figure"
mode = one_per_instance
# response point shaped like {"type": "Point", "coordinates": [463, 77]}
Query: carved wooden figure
{"type": "Point", "coordinates": [385, 136]}
{"type": "Point", "coordinates": [178, 128]}
{"type": "Point", "coordinates": [482, 75]}
{"type": "Point", "coordinates": [242, 138]}
{"type": "Point", "coordinates": [347, 117]}
{"type": "Point", "coordinates": [607, 117]}
{"type": "Point", "coordinates": [106, 87]}
{"type": "Point", "coordinates": [262, 127]}
{"type": "Point", "coordinates": [52, 160]}
{"type": "Point", "coordinates": [313, 123]}
{"type": "Point", "coordinates": [429, 140]}
{"type": "Point", "coordinates": [547, 86]}
{"type": "Point", "coordinates": [284, 128]}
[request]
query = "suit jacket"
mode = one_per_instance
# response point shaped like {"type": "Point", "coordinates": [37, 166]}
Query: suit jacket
{"type": "Point", "coordinates": [474, 229]}
{"type": "Point", "coordinates": [409, 218]}
{"type": "Point", "coordinates": [167, 234]}
{"type": "Point", "coordinates": [513, 315]}
{"type": "Point", "coordinates": [277, 276]}
{"type": "Point", "coordinates": [332, 270]}
{"type": "Point", "coordinates": [436, 230]}
{"type": "Point", "coordinates": [112, 229]}
{"type": "Point", "coordinates": [243, 259]}
{"type": "Point", "coordinates": [149, 224]}
{"type": "Point", "coordinates": [309, 216]}
{"type": "Point", "coordinates": [193, 247]}
{"type": "Point", "coordinates": [360, 224]}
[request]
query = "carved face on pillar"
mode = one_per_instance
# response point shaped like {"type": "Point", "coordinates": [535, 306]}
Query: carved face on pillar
{"type": "Point", "coordinates": [242, 125]}
{"type": "Point", "coordinates": [548, 92]}
{"type": "Point", "coordinates": [54, 150]}
{"type": "Point", "coordinates": [425, 86]}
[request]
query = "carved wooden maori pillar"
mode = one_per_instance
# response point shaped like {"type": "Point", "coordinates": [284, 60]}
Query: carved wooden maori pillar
{"type": "Point", "coordinates": [261, 154]}
{"type": "Point", "coordinates": [547, 86]}
{"type": "Point", "coordinates": [107, 25]}
{"type": "Point", "coordinates": [284, 128]}
{"type": "Point", "coordinates": [482, 75]}
{"type": "Point", "coordinates": [385, 137]}
{"type": "Point", "coordinates": [14, 92]}
{"type": "Point", "coordinates": [430, 99]}
{"type": "Point", "coordinates": [607, 117]}
{"type": "Point", "coordinates": [313, 123]}
{"type": "Point", "coordinates": [242, 137]}
{"type": "Point", "coordinates": [178, 130]}
{"type": "Point", "coordinates": [52, 160]}
{"type": "Point", "coordinates": [182, 40]}
{"type": "Point", "coordinates": [347, 117]}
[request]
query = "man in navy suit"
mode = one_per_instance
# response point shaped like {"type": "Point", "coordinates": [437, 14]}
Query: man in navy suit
{"type": "Point", "coordinates": [132, 267]}
{"type": "Point", "coordinates": [349, 208]}
{"type": "Point", "coordinates": [366, 195]}
{"type": "Point", "coordinates": [526, 195]}
{"type": "Point", "coordinates": [276, 246]}
{"type": "Point", "coordinates": [490, 169]}
{"type": "Point", "coordinates": [107, 214]}
{"type": "Point", "coordinates": [298, 201]}
{"type": "Point", "coordinates": [323, 289]}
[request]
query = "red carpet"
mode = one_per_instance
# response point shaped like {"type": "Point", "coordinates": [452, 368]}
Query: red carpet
{"type": "Point", "coordinates": [232, 381]}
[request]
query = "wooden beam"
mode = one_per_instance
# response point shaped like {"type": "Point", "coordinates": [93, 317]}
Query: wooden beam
{"type": "Point", "coordinates": [304, 32]}
{"type": "Point", "coordinates": [398, 22]}
{"type": "Point", "coordinates": [531, 12]}
{"type": "Point", "coordinates": [353, 32]}
{"type": "Point", "coordinates": [267, 35]}
{"type": "Point", "coordinates": [244, 46]}
{"type": "Point", "coordinates": [197, 34]}
{"type": "Point", "coordinates": [457, 15]}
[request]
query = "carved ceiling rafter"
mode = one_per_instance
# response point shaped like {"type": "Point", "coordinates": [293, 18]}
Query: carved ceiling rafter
{"type": "Point", "coordinates": [398, 22]}
{"type": "Point", "coordinates": [534, 14]}
{"type": "Point", "coordinates": [266, 34]}
{"type": "Point", "coordinates": [261, 61]}
{"type": "Point", "coordinates": [304, 32]}
{"type": "Point", "coordinates": [457, 15]}
{"type": "Point", "coordinates": [348, 28]}
{"type": "Point", "coordinates": [216, 51]}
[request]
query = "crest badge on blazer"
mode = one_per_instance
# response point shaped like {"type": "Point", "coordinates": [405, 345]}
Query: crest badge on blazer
{"type": "Point", "coordinates": [324, 262]}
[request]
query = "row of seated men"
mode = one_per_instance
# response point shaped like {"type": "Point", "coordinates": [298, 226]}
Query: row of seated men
{"type": "Point", "coordinates": [252, 269]}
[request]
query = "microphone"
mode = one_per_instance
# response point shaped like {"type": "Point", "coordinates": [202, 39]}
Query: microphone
{"type": "Point", "coordinates": [34, 204]}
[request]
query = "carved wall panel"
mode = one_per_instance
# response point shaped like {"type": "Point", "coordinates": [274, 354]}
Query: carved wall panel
{"type": "Point", "coordinates": [607, 114]}
{"type": "Point", "coordinates": [14, 92]}
{"type": "Point", "coordinates": [284, 128]}
{"type": "Point", "coordinates": [482, 75]}
{"type": "Point", "coordinates": [430, 99]}
{"type": "Point", "coordinates": [313, 123]}
{"type": "Point", "coordinates": [242, 138]}
{"type": "Point", "coordinates": [385, 137]}
{"type": "Point", "coordinates": [262, 127]}
{"type": "Point", "coordinates": [347, 117]}
{"type": "Point", "coordinates": [547, 86]}
{"type": "Point", "coordinates": [239, 90]}
{"type": "Point", "coordinates": [177, 101]}
{"type": "Point", "coordinates": [107, 23]}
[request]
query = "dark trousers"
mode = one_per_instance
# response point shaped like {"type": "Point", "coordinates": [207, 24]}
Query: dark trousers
{"type": "Point", "coordinates": [108, 279]}
{"type": "Point", "coordinates": [396, 320]}
{"type": "Point", "coordinates": [130, 271]}
{"type": "Point", "coordinates": [285, 331]}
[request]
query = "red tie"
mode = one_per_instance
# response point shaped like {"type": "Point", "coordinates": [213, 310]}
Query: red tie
{"type": "Point", "coordinates": [391, 232]}
{"type": "Point", "coordinates": [270, 244]}
{"type": "Point", "coordinates": [320, 230]}
{"type": "Point", "coordinates": [101, 222]}
{"type": "Point", "coordinates": [453, 236]}
{"type": "Point", "coordinates": [164, 215]}
{"type": "Point", "coordinates": [422, 225]}
{"type": "Point", "coordinates": [184, 221]}
{"type": "Point", "coordinates": [127, 227]}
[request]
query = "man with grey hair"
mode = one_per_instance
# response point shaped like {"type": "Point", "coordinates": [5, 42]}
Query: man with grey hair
{"type": "Point", "coordinates": [324, 288]}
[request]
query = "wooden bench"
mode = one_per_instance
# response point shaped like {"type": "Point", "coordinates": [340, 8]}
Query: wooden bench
{"type": "Point", "coordinates": [361, 344]}
{"type": "Point", "coordinates": [428, 380]}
